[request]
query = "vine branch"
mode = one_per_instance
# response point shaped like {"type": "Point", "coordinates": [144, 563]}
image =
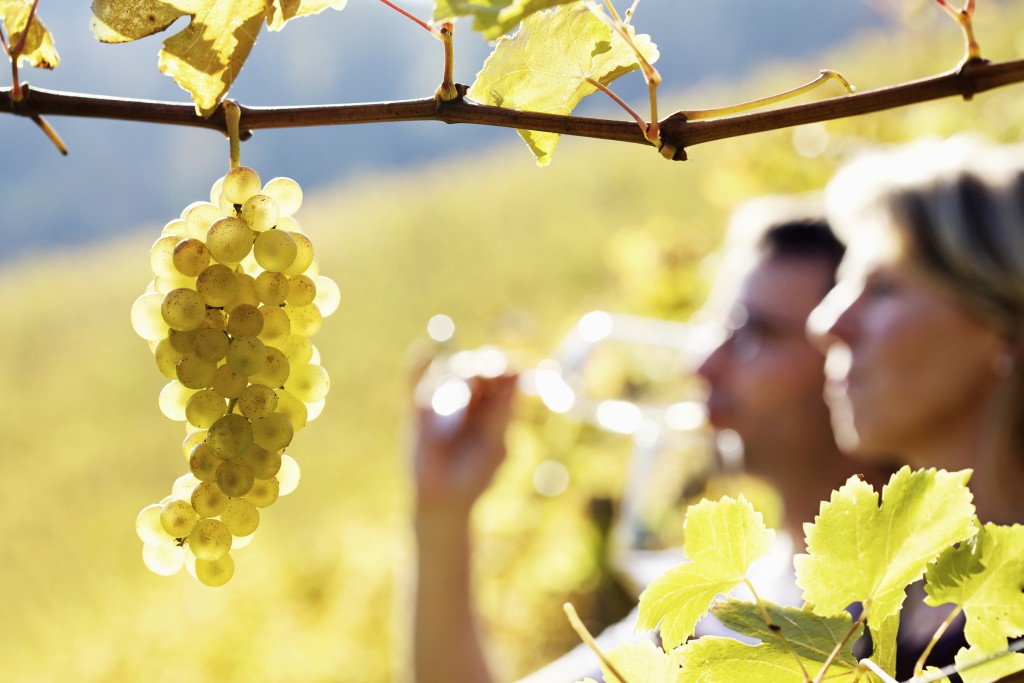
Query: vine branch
{"type": "Point", "coordinates": [973, 76]}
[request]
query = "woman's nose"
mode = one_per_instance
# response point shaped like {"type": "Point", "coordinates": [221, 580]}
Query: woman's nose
{"type": "Point", "coordinates": [831, 320]}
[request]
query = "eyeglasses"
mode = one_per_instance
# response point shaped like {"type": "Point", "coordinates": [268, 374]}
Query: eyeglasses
{"type": "Point", "coordinates": [747, 332]}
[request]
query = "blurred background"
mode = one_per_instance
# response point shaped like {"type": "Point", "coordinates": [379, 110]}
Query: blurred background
{"type": "Point", "coordinates": [411, 220]}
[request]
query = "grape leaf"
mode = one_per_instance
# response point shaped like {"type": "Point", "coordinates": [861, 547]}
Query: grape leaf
{"type": "Point", "coordinates": [543, 66]}
{"type": "Point", "coordinates": [811, 637]}
{"type": "Point", "coordinates": [989, 672]}
{"type": "Point", "coordinates": [713, 659]}
{"type": "Point", "coordinates": [722, 539]}
{"type": "Point", "coordinates": [642, 662]}
{"type": "Point", "coordinates": [883, 642]}
{"type": "Point", "coordinates": [38, 50]}
{"type": "Point", "coordinates": [492, 18]}
{"type": "Point", "coordinates": [985, 576]}
{"type": "Point", "coordinates": [206, 56]}
{"type": "Point", "coordinates": [860, 551]}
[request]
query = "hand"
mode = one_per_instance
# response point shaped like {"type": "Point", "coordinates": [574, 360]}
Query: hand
{"type": "Point", "coordinates": [455, 462]}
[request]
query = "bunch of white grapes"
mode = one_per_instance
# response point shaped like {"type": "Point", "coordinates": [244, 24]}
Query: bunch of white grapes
{"type": "Point", "coordinates": [235, 298]}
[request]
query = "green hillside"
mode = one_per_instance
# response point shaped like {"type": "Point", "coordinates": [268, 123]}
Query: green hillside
{"type": "Point", "coordinates": [514, 254]}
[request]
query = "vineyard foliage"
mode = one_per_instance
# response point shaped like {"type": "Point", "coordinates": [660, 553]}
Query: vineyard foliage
{"type": "Point", "coordinates": [327, 598]}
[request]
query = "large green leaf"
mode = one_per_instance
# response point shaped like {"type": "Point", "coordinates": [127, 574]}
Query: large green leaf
{"type": "Point", "coordinates": [492, 18]}
{"type": "Point", "coordinates": [641, 662]}
{"type": "Point", "coordinates": [986, 578]}
{"type": "Point", "coordinates": [38, 49]}
{"type": "Point", "coordinates": [723, 538]}
{"type": "Point", "coordinates": [859, 551]}
{"type": "Point", "coordinates": [543, 67]}
{"type": "Point", "coordinates": [206, 56]}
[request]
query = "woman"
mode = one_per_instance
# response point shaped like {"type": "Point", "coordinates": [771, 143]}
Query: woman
{"type": "Point", "coordinates": [924, 329]}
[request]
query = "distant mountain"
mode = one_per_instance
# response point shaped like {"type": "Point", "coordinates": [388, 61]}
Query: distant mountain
{"type": "Point", "coordinates": [122, 174]}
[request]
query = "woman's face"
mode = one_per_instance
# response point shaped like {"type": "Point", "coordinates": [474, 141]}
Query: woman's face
{"type": "Point", "coordinates": [910, 372]}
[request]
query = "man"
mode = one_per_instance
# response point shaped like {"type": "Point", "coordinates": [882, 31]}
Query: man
{"type": "Point", "coordinates": [764, 383]}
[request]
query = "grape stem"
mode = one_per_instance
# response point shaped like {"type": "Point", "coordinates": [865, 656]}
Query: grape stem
{"type": "Point", "coordinates": [233, 118]}
{"type": "Point", "coordinates": [965, 17]}
{"type": "Point", "coordinates": [823, 76]}
{"type": "Point", "coordinates": [676, 131]}
{"type": "Point", "coordinates": [586, 637]}
{"type": "Point", "coordinates": [447, 91]}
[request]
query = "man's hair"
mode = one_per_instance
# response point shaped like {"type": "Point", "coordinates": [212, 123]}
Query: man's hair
{"type": "Point", "coordinates": [804, 239]}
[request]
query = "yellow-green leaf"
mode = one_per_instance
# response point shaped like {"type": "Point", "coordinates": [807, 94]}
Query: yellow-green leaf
{"type": "Point", "coordinates": [642, 662]}
{"type": "Point", "coordinates": [492, 18]}
{"type": "Point", "coordinates": [121, 21]}
{"type": "Point", "coordinates": [986, 578]}
{"type": "Point", "coordinates": [722, 539]}
{"type": "Point", "coordinates": [282, 11]}
{"type": "Point", "coordinates": [992, 671]}
{"type": "Point", "coordinates": [859, 551]}
{"type": "Point", "coordinates": [38, 49]}
{"type": "Point", "coordinates": [543, 67]}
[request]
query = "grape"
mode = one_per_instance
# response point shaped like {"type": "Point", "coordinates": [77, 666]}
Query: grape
{"type": "Point", "coordinates": [218, 285]}
{"type": "Point", "coordinates": [234, 478]}
{"type": "Point", "coordinates": [148, 525]}
{"type": "Point", "coordinates": [204, 408]}
{"type": "Point", "coordinates": [246, 292]}
{"type": "Point", "coordinates": [163, 559]}
{"type": "Point", "coordinates": [203, 462]}
{"type": "Point", "coordinates": [207, 499]}
{"type": "Point", "coordinates": [240, 183]}
{"type": "Point", "coordinates": [277, 326]}
{"type": "Point", "coordinates": [184, 486]}
{"type": "Point", "coordinates": [161, 256]}
{"type": "Point", "coordinates": [215, 319]}
{"type": "Point", "coordinates": [215, 572]}
{"type": "Point", "coordinates": [275, 370]}
{"type": "Point", "coordinates": [257, 401]}
{"type": "Point", "coordinates": [199, 217]}
{"type": "Point", "coordinates": [229, 240]}
{"type": "Point", "coordinates": [306, 320]}
{"type": "Point", "coordinates": [178, 518]}
{"type": "Point", "coordinates": [230, 436]}
{"type": "Point", "coordinates": [211, 345]}
{"type": "Point", "coordinates": [265, 464]}
{"type": "Point", "coordinates": [263, 493]}
{"type": "Point", "coordinates": [183, 309]}
{"type": "Point", "coordinates": [314, 409]}
{"type": "Point", "coordinates": [260, 212]}
{"type": "Point", "coordinates": [275, 250]}
{"type": "Point", "coordinates": [175, 228]}
{"type": "Point", "coordinates": [147, 320]}
{"type": "Point", "coordinates": [241, 517]}
{"type": "Point", "coordinates": [167, 358]}
{"type": "Point", "coordinates": [286, 192]}
{"type": "Point", "coordinates": [308, 383]}
{"type": "Point", "coordinates": [194, 372]}
{"type": "Point", "coordinates": [273, 432]}
{"type": "Point", "coordinates": [293, 408]}
{"type": "Point", "coordinates": [191, 441]}
{"type": "Point", "coordinates": [288, 477]}
{"type": "Point", "coordinates": [328, 296]}
{"type": "Point", "coordinates": [245, 320]}
{"type": "Point", "coordinates": [297, 349]}
{"type": "Point", "coordinates": [229, 383]}
{"type": "Point", "coordinates": [272, 288]}
{"type": "Point", "coordinates": [301, 290]}
{"type": "Point", "coordinates": [173, 398]}
{"type": "Point", "coordinates": [209, 540]}
{"type": "Point", "coordinates": [247, 355]}
{"type": "Point", "coordinates": [303, 254]}
{"type": "Point", "coordinates": [190, 257]}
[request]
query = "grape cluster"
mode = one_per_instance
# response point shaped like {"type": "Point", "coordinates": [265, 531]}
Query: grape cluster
{"type": "Point", "coordinates": [235, 298]}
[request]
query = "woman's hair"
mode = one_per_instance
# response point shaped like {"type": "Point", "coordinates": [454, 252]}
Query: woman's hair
{"type": "Point", "coordinates": [958, 207]}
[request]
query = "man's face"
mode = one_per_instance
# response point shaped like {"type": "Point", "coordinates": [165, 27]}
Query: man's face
{"type": "Point", "coordinates": [765, 380]}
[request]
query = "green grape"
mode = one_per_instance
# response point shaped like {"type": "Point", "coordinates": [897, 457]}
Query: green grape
{"type": "Point", "coordinates": [218, 285]}
{"type": "Point", "coordinates": [328, 296]}
{"type": "Point", "coordinates": [209, 540]}
{"type": "Point", "coordinates": [273, 432]}
{"type": "Point", "coordinates": [301, 290]}
{"type": "Point", "coordinates": [207, 499]}
{"type": "Point", "coordinates": [265, 464]}
{"type": "Point", "coordinates": [241, 517]}
{"type": "Point", "coordinates": [289, 224]}
{"type": "Point", "coordinates": [175, 228]}
{"type": "Point", "coordinates": [260, 212]}
{"type": "Point", "coordinates": [275, 250]}
{"type": "Point", "coordinates": [195, 372]}
{"type": "Point", "coordinates": [173, 398]}
{"type": "Point", "coordinates": [277, 326]}
{"type": "Point", "coordinates": [288, 477]}
{"type": "Point", "coordinates": [274, 372]}
{"type": "Point", "coordinates": [293, 408]}
{"type": "Point", "coordinates": [199, 217]}
{"type": "Point", "coordinates": [167, 358]}
{"type": "Point", "coordinates": [148, 526]}
{"type": "Point", "coordinates": [286, 192]}
{"type": "Point", "coordinates": [230, 436]}
{"type": "Point", "coordinates": [161, 256]}
{"type": "Point", "coordinates": [178, 518]}
{"type": "Point", "coordinates": [272, 288]}
{"type": "Point", "coordinates": [229, 383]}
{"type": "Point", "coordinates": [163, 559]}
{"type": "Point", "coordinates": [239, 184]}
{"type": "Point", "coordinates": [245, 320]}
{"type": "Point", "coordinates": [263, 493]}
{"type": "Point", "coordinates": [203, 462]}
{"type": "Point", "coordinates": [183, 342]}
{"type": "Point", "coordinates": [216, 572]}
{"type": "Point", "coordinates": [183, 309]}
{"type": "Point", "coordinates": [190, 257]}
{"type": "Point", "coordinates": [303, 254]}
{"type": "Point", "coordinates": [247, 355]}
{"type": "Point", "coordinates": [314, 409]}
{"type": "Point", "coordinates": [229, 240]}
{"type": "Point", "coordinates": [306, 320]}
{"type": "Point", "coordinates": [297, 349]}
{"type": "Point", "coordinates": [215, 190]}
{"type": "Point", "coordinates": [184, 486]}
{"type": "Point", "coordinates": [257, 401]}
{"type": "Point", "coordinates": [211, 345]}
{"type": "Point", "coordinates": [215, 319]}
{"type": "Point", "coordinates": [246, 293]}
{"type": "Point", "coordinates": [204, 408]}
{"type": "Point", "coordinates": [193, 439]}
{"type": "Point", "coordinates": [147, 320]}
{"type": "Point", "coordinates": [308, 383]}
{"type": "Point", "coordinates": [234, 478]}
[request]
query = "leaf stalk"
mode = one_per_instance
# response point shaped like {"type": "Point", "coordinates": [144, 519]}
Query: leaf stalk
{"type": "Point", "coordinates": [586, 637]}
